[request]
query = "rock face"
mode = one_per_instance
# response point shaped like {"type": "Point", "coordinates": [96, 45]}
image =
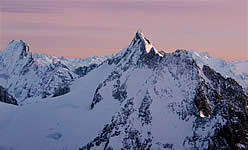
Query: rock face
{"type": "Point", "coordinates": [236, 70]}
{"type": "Point", "coordinates": [26, 75]}
{"type": "Point", "coordinates": [82, 71]}
{"type": "Point", "coordinates": [5, 97]}
{"type": "Point", "coordinates": [167, 101]}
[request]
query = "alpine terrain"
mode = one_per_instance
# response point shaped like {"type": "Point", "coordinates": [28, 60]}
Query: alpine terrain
{"type": "Point", "coordinates": [137, 99]}
{"type": "Point", "coordinates": [28, 75]}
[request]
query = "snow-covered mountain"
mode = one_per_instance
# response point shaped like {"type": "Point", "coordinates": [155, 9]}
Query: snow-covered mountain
{"type": "Point", "coordinates": [26, 75]}
{"type": "Point", "coordinates": [238, 70]}
{"type": "Point", "coordinates": [168, 102]}
{"type": "Point", "coordinates": [138, 99]}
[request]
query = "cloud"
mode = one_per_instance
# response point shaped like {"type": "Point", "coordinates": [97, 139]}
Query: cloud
{"type": "Point", "coordinates": [60, 6]}
{"type": "Point", "coordinates": [30, 6]}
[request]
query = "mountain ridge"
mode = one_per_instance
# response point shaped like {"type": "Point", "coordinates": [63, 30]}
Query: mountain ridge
{"type": "Point", "coordinates": [26, 75]}
{"type": "Point", "coordinates": [139, 98]}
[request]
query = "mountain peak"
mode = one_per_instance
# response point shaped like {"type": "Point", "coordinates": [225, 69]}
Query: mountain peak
{"type": "Point", "coordinates": [15, 56]}
{"type": "Point", "coordinates": [139, 51]}
{"type": "Point", "coordinates": [144, 45]}
{"type": "Point", "coordinates": [17, 48]}
{"type": "Point", "coordinates": [139, 35]}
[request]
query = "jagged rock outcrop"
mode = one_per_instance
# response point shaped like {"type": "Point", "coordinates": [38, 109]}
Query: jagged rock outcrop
{"type": "Point", "coordinates": [82, 71]}
{"type": "Point", "coordinates": [5, 97]}
{"type": "Point", "coordinates": [236, 70]}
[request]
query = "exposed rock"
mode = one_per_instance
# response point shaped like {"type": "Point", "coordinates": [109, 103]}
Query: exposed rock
{"type": "Point", "coordinates": [5, 97]}
{"type": "Point", "coordinates": [82, 71]}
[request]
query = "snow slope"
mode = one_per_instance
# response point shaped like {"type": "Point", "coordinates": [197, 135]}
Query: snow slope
{"type": "Point", "coordinates": [60, 123]}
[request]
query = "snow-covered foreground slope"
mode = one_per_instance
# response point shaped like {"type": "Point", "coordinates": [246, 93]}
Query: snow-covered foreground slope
{"type": "Point", "coordinates": [60, 123]}
{"type": "Point", "coordinates": [27, 75]}
{"type": "Point", "coordinates": [138, 99]}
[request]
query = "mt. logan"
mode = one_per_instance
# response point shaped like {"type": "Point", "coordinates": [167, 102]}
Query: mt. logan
{"type": "Point", "coordinates": [139, 98]}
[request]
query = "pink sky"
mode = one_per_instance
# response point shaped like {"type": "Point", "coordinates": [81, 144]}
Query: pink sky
{"type": "Point", "coordinates": [83, 28]}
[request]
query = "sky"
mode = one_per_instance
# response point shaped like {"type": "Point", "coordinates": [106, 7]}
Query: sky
{"type": "Point", "coordinates": [83, 28]}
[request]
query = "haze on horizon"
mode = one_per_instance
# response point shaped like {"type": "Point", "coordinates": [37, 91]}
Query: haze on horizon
{"type": "Point", "coordinates": [74, 28]}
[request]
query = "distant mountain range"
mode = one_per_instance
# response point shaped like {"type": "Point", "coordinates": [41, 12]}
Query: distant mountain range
{"type": "Point", "coordinates": [137, 99]}
{"type": "Point", "coordinates": [27, 75]}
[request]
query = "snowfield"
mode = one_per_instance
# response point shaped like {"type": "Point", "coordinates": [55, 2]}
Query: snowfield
{"type": "Point", "coordinates": [56, 123]}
